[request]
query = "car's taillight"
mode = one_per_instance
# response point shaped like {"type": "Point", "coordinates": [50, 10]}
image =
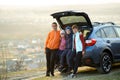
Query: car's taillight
{"type": "Point", "coordinates": [90, 42]}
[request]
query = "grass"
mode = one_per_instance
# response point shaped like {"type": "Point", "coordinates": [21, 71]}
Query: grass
{"type": "Point", "coordinates": [12, 74]}
{"type": "Point", "coordinates": [86, 73]}
{"type": "Point", "coordinates": [114, 76]}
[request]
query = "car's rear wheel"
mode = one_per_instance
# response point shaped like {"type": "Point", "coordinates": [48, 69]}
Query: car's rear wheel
{"type": "Point", "coordinates": [105, 63]}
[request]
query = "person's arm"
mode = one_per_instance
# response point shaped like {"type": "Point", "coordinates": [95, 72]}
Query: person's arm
{"type": "Point", "coordinates": [83, 42]}
{"type": "Point", "coordinates": [47, 39]}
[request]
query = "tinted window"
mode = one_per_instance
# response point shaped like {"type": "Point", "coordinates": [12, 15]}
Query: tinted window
{"type": "Point", "coordinates": [109, 31]}
{"type": "Point", "coordinates": [118, 30]}
{"type": "Point", "coordinates": [73, 19]}
{"type": "Point", "coordinates": [103, 33]}
{"type": "Point", "coordinates": [100, 33]}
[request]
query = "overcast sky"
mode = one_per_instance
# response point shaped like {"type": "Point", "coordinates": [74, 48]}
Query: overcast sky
{"type": "Point", "coordinates": [52, 2]}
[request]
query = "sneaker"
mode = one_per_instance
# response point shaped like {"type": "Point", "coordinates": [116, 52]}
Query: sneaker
{"type": "Point", "coordinates": [72, 75]}
{"type": "Point", "coordinates": [64, 70]}
{"type": "Point", "coordinates": [52, 74]}
{"type": "Point", "coordinates": [69, 70]}
{"type": "Point", "coordinates": [60, 68]}
{"type": "Point", "coordinates": [56, 66]}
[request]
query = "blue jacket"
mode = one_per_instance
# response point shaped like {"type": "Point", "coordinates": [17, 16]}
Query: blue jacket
{"type": "Point", "coordinates": [69, 41]}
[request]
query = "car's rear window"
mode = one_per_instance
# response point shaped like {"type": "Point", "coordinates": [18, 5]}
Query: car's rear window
{"type": "Point", "coordinates": [73, 19]}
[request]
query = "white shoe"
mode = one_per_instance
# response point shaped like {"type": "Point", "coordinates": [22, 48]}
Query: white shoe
{"type": "Point", "coordinates": [72, 75]}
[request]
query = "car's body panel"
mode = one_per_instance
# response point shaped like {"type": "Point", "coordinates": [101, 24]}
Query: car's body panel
{"type": "Point", "coordinates": [95, 52]}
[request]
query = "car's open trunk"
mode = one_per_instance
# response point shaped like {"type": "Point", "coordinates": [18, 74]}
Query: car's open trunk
{"type": "Point", "coordinates": [69, 18]}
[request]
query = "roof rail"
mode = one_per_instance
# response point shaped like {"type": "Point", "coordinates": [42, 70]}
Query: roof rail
{"type": "Point", "coordinates": [108, 23]}
{"type": "Point", "coordinates": [104, 23]}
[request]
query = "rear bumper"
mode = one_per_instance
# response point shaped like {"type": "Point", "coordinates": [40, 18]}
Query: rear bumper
{"type": "Point", "coordinates": [91, 57]}
{"type": "Point", "coordinates": [88, 61]}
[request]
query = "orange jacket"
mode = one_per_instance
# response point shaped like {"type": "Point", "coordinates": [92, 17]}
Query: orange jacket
{"type": "Point", "coordinates": [53, 40]}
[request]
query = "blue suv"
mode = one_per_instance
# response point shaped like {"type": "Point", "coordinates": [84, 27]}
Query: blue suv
{"type": "Point", "coordinates": [102, 39]}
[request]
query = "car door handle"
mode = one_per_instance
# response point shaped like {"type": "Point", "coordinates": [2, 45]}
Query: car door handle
{"type": "Point", "coordinates": [108, 41]}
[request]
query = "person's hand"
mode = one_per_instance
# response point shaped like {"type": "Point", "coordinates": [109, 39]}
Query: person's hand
{"type": "Point", "coordinates": [44, 50]}
{"type": "Point", "coordinates": [83, 52]}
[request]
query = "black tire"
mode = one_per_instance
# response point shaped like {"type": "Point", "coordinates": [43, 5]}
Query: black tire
{"type": "Point", "coordinates": [105, 63]}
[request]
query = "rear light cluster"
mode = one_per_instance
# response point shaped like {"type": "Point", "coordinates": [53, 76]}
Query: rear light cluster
{"type": "Point", "coordinates": [90, 42]}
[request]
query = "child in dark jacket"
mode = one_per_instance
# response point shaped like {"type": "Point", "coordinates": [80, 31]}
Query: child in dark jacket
{"type": "Point", "coordinates": [65, 57]}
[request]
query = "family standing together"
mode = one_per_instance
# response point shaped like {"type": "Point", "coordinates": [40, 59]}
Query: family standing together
{"type": "Point", "coordinates": [64, 49]}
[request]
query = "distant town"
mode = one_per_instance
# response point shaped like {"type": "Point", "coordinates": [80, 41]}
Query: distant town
{"type": "Point", "coordinates": [23, 54]}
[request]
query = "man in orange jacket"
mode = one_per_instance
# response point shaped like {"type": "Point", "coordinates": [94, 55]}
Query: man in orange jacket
{"type": "Point", "coordinates": [51, 48]}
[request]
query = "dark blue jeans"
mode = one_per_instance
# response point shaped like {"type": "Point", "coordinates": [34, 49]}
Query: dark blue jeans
{"type": "Point", "coordinates": [58, 56]}
{"type": "Point", "coordinates": [66, 58]}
